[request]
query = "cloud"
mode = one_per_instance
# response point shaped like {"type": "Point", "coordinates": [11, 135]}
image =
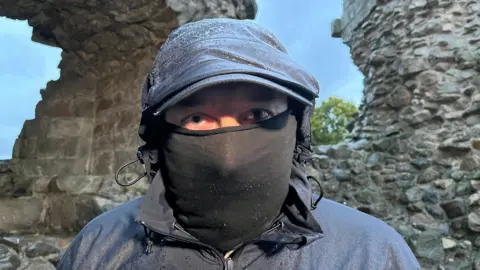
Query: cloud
{"type": "Point", "coordinates": [305, 30]}
{"type": "Point", "coordinates": [25, 68]}
{"type": "Point", "coordinates": [15, 27]}
{"type": "Point", "coordinates": [347, 84]}
{"type": "Point", "coordinates": [7, 138]}
{"type": "Point", "coordinates": [351, 90]}
{"type": "Point", "coordinates": [22, 57]}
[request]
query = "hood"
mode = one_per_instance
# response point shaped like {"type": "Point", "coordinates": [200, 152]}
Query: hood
{"type": "Point", "coordinates": [213, 47]}
{"type": "Point", "coordinates": [217, 47]}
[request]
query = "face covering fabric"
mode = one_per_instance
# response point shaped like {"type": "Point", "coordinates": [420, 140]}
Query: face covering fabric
{"type": "Point", "coordinates": [227, 186]}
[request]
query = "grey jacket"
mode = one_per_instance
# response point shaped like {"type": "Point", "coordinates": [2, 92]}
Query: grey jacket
{"type": "Point", "coordinates": [142, 234]}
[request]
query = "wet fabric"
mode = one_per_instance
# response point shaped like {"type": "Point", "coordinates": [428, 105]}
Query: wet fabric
{"type": "Point", "coordinates": [210, 48]}
{"type": "Point", "coordinates": [227, 186]}
{"type": "Point", "coordinates": [350, 240]}
{"type": "Point", "coordinates": [145, 234]}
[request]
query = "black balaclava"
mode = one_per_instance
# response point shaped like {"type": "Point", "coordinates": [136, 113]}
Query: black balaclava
{"type": "Point", "coordinates": [228, 185]}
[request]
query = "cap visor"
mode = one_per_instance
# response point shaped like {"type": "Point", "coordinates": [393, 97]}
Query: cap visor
{"type": "Point", "coordinates": [229, 78]}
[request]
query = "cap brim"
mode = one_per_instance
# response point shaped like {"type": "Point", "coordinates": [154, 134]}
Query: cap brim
{"type": "Point", "coordinates": [229, 78]}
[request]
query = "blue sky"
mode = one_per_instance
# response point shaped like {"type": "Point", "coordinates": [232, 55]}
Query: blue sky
{"type": "Point", "coordinates": [26, 67]}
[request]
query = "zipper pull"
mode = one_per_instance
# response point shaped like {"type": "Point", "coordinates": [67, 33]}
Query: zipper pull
{"type": "Point", "coordinates": [149, 248]}
{"type": "Point", "coordinates": [229, 264]}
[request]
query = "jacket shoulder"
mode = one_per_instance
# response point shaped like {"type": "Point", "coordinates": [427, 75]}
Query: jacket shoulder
{"type": "Point", "coordinates": [102, 236]}
{"type": "Point", "coordinates": [364, 240]}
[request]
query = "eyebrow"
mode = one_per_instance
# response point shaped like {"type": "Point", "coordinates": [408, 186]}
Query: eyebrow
{"type": "Point", "coordinates": [257, 96]}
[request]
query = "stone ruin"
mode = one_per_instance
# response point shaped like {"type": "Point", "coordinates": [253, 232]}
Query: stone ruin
{"type": "Point", "coordinates": [85, 126]}
{"type": "Point", "coordinates": [412, 158]}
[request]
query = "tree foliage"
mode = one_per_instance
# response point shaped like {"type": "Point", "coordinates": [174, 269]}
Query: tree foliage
{"type": "Point", "coordinates": [330, 119]}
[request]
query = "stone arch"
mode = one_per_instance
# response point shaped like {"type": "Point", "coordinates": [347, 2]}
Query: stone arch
{"type": "Point", "coordinates": [85, 126]}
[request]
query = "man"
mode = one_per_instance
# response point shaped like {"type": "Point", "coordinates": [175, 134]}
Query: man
{"type": "Point", "coordinates": [226, 124]}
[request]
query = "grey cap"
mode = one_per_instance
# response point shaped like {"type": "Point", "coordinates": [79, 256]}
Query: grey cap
{"type": "Point", "coordinates": [216, 51]}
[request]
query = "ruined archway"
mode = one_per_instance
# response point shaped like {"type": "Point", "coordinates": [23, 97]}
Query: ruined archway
{"type": "Point", "coordinates": [85, 125]}
{"type": "Point", "coordinates": [411, 160]}
{"type": "Point", "coordinates": [24, 67]}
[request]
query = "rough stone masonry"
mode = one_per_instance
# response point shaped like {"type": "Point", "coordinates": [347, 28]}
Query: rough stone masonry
{"type": "Point", "coordinates": [413, 156]}
{"type": "Point", "coordinates": [85, 126]}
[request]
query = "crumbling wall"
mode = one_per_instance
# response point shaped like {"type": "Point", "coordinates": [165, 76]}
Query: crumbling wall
{"type": "Point", "coordinates": [413, 158]}
{"type": "Point", "coordinates": [85, 126]}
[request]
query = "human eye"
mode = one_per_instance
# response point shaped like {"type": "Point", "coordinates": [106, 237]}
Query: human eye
{"type": "Point", "coordinates": [198, 121]}
{"type": "Point", "coordinates": [195, 119]}
{"type": "Point", "coordinates": [256, 115]}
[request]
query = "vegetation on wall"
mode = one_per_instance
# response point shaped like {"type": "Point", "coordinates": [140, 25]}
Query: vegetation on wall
{"type": "Point", "coordinates": [330, 119]}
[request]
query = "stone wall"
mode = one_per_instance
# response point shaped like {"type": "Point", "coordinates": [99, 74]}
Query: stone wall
{"type": "Point", "coordinates": [413, 158]}
{"type": "Point", "coordinates": [8, 186]}
{"type": "Point", "coordinates": [85, 126]}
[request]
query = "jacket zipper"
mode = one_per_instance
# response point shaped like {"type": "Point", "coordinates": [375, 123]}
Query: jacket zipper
{"type": "Point", "coordinates": [227, 261]}
{"type": "Point", "coordinates": [181, 239]}
{"type": "Point", "coordinates": [228, 264]}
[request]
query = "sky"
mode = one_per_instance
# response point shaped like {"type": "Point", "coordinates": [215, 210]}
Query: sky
{"type": "Point", "coordinates": [26, 66]}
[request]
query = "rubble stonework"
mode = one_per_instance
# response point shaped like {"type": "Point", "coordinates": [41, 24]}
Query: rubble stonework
{"type": "Point", "coordinates": [31, 252]}
{"type": "Point", "coordinates": [412, 158]}
{"type": "Point", "coordinates": [62, 171]}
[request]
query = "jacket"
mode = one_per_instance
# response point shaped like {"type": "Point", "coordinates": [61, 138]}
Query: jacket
{"type": "Point", "coordinates": [142, 234]}
{"type": "Point", "coordinates": [309, 234]}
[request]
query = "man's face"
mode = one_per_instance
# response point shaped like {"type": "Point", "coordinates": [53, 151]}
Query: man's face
{"type": "Point", "coordinates": [227, 106]}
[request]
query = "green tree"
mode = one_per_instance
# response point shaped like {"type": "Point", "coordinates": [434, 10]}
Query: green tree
{"type": "Point", "coordinates": [330, 119]}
